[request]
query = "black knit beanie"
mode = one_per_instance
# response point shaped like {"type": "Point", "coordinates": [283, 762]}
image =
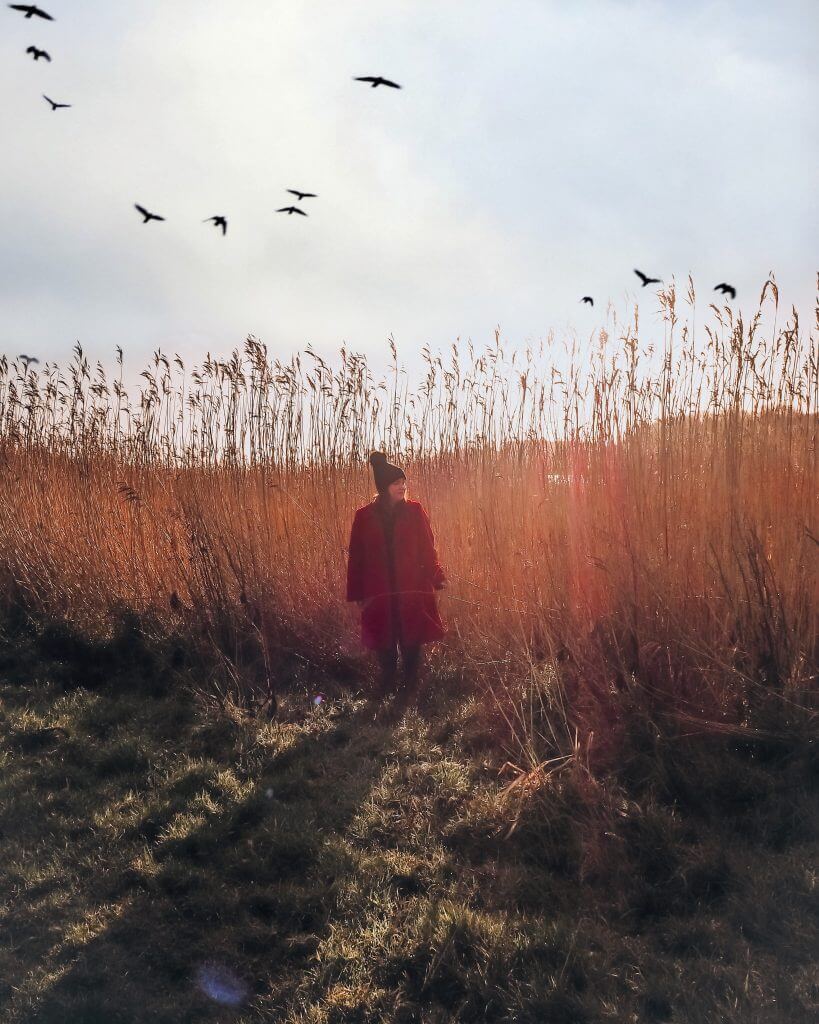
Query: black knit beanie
{"type": "Point", "coordinates": [384, 472]}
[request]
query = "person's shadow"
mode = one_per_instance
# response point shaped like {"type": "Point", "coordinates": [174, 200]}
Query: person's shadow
{"type": "Point", "coordinates": [249, 889]}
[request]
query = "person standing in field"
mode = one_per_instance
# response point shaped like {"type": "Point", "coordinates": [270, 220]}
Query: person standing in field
{"type": "Point", "coordinates": [392, 574]}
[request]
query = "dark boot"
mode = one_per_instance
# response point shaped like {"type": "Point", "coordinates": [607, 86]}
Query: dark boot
{"type": "Point", "coordinates": [410, 677]}
{"type": "Point", "coordinates": [412, 669]}
{"type": "Point", "coordinates": [388, 662]}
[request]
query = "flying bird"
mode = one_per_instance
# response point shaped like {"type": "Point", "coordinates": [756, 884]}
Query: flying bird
{"type": "Point", "coordinates": [588, 300]}
{"type": "Point", "coordinates": [28, 359]}
{"type": "Point", "coordinates": [220, 222]}
{"type": "Point", "coordinates": [291, 209]}
{"type": "Point", "coordinates": [38, 53]}
{"type": "Point", "coordinates": [647, 280]}
{"type": "Point", "coordinates": [377, 80]}
{"type": "Point", "coordinates": [31, 11]}
{"type": "Point", "coordinates": [146, 215]}
{"type": "Point", "coordinates": [302, 195]}
{"type": "Point", "coordinates": [54, 105]}
{"type": "Point", "coordinates": [726, 289]}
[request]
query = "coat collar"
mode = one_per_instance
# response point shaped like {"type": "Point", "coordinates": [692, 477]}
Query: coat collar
{"type": "Point", "coordinates": [383, 508]}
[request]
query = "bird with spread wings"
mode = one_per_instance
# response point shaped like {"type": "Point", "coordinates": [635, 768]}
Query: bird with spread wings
{"type": "Point", "coordinates": [31, 11]}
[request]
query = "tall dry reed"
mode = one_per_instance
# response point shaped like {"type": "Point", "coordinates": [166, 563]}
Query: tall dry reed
{"type": "Point", "coordinates": [615, 532]}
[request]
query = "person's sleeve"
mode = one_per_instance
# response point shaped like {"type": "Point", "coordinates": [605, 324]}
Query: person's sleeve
{"type": "Point", "coordinates": [436, 572]}
{"type": "Point", "coordinates": [355, 563]}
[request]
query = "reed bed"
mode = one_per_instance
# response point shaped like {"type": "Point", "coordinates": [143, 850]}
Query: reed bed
{"type": "Point", "coordinates": [613, 537]}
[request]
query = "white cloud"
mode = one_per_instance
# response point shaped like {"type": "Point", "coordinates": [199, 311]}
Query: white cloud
{"type": "Point", "coordinates": [536, 152]}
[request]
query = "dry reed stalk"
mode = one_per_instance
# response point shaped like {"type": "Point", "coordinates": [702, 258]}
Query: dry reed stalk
{"type": "Point", "coordinates": [614, 525]}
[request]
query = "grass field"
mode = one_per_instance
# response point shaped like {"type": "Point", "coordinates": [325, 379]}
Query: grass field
{"type": "Point", "coordinates": [604, 806]}
{"type": "Point", "coordinates": [337, 868]}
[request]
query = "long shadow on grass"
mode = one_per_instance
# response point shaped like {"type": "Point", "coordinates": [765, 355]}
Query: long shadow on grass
{"type": "Point", "coordinates": [248, 884]}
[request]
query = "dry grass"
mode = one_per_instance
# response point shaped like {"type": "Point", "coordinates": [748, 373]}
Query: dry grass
{"type": "Point", "coordinates": [602, 534]}
{"type": "Point", "coordinates": [345, 870]}
{"type": "Point", "coordinates": [606, 808]}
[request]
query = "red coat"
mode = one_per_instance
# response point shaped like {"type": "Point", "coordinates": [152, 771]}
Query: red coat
{"type": "Point", "coordinates": [418, 574]}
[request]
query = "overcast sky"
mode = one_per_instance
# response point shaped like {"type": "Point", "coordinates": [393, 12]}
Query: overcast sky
{"type": "Point", "coordinates": [537, 152]}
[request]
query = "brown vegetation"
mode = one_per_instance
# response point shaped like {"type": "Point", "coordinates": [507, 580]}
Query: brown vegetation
{"type": "Point", "coordinates": [605, 808]}
{"type": "Point", "coordinates": [657, 533]}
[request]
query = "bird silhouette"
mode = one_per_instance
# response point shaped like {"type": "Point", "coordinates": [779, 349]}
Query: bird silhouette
{"type": "Point", "coordinates": [588, 300]}
{"type": "Point", "coordinates": [54, 105]}
{"type": "Point", "coordinates": [291, 209]}
{"type": "Point", "coordinates": [302, 195]}
{"type": "Point", "coordinates": [31, 11]}
{"type": "Point", "coordinates": [38, 53]}
{"type": "Point", "coordinates": [647, 280]}
{"type": "Point", "coordinates": [146, 215]}
{"type": "Point", "coordinates": [377, 80]}
{"type": "Point", "coordinates": [726, 289]}
{"type": "Point", "coordinates": [220, 222]}
{"type": "Point", "coordinates": [28, 359]}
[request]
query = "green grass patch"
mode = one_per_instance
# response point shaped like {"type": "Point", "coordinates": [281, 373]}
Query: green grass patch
{"type": "Point", "coordinates": [344, 869]}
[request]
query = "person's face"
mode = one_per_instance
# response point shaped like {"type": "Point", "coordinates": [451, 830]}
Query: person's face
{"type": "Point", "coordinates": [397, 490]}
